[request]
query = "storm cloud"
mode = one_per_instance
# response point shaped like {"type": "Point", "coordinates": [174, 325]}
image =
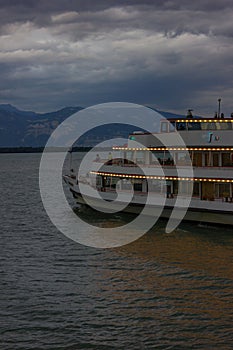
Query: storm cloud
{"type": "Point", "coordinates": [173, 55]}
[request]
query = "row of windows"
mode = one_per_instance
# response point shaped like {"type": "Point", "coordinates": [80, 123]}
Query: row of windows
{"type": "Point", "coordinates": [183, 158]}
{"type": "Point", "coordinates": [205, 190]}
{"type": "Point", "coordinates": [172, 126]}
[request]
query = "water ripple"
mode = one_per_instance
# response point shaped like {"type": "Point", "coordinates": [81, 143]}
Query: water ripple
{"type": "Point", "coordinates": [164, 291]}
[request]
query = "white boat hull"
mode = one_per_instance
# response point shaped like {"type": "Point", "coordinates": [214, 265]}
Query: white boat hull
{"type": "Point", "coordinates": [198, 214]}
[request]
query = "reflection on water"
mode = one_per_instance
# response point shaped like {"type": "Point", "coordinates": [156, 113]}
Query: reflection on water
{"type": "Point", "coordinates": [163, 291]}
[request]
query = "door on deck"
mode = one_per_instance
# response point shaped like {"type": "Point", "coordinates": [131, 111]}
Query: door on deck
{"type": "Point", "coordinates": [207, 191]}
{"type": "Point", "coordinates": [215, 159]}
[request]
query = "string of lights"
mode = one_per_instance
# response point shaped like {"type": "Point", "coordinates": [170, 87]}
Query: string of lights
{"type": "Point", "coordinates": [160, 177]}
{"type": "Point", "coordinates": [119, 148]}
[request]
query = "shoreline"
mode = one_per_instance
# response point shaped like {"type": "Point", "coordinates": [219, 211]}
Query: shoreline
{"type": "Point", "coordinates": [40, 149]}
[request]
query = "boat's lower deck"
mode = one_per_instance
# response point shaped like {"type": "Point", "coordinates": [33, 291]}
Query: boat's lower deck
{"type": "Point", "coordinates": [199, 211]}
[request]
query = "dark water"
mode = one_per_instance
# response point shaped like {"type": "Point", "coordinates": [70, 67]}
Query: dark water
{"type": "Point", "coordinates": [164, 291]}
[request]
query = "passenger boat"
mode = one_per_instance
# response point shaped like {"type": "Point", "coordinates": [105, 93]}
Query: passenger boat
{"type": "Point", "coordinates": [197, 176]}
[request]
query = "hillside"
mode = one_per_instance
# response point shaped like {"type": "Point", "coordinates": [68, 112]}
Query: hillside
{"type": "Point", "coordinates": [29, 129]}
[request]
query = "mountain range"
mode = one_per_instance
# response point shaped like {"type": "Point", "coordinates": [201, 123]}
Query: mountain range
{"type": "Point", "coordinates": [20, 128]}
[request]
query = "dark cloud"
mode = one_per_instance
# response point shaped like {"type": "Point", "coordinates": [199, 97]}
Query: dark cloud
{"type": "Point", "coordinates": [41, 11]}
{"type": "Point", "coordinates": [169, 53]}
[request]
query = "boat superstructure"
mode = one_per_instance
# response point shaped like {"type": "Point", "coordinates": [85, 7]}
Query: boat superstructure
{"type": "Point", "coordinates": [201, 168]}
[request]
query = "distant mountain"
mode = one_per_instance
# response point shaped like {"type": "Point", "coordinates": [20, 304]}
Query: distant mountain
{"type": "Point", "coordinates": [30, 129]}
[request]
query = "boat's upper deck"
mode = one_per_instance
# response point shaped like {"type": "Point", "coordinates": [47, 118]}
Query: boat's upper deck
{"type": "Point", "coordinates": [196, 124]}
{"type": "Point", "coordinates": [194, 132]}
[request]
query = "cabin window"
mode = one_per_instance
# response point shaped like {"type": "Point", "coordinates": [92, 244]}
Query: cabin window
{"type": "Point", "coordinates": [140, 157]}
{"type": "Point", "coordinates": [185, 187]}
{"type": "Point", "coordinates": [126, 185]}
{"type": "Point", "coordinates": [215, 159]}
{"type": "Point", "coordinates": [157, 157]}
{"type": "Point", "coordinates": [156, 185]}
{"type": "Point", "coordinates": [226, 159]}
{"type": "Point", "coordinates": [137, 186]}
{"type": "Point", "coordinates": [107, 182]}
{"type": "Point", "coordinates": [175, 187]}
{"type": "Point", "coordinates": [180, 126]}
{"type": "Point", "coordinates": [224, 126]}
{"type": "Point", "coordinates": [164, 127]}
{"type": "Point", "coordinates": [222, 190]}
{"type": "Point", "coordinates": [164, 158]}
{"type": "Point", "coordinates": [129, 155]}
{"type": "Point", "coordinates": [196, 189]}
{"type": "Point", "coordinates": [211, 126]}
{"type": "Point", "coordinates": [113, 182]}
{"type": "Point", "coordinates": [207, 189]}
{"type": "Point", "coordinates": [207, 159]}
{"type": "Point", "coordinates": [208, 126]}
{"type": "Point", "coordinates": [194, 126]}
{"type": "Point", "coordinates": [182, 158]}
{"type": "Point", "coordinates": [216, 126]}
{"type": "Point", "coordinates": [197, 159]}
{"type": "Point", "coordinates": [98, 181]}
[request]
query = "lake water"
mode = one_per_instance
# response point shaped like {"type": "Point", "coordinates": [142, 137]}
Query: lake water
{"type": "Point", "coordinates": [163, 291]}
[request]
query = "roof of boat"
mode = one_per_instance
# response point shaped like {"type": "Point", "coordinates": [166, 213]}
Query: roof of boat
{"type": "Point", "coordinates": [198, 119]}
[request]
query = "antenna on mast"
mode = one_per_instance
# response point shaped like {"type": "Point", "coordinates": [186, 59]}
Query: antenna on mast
{"type": "Point", "coordinates": [219, 107]}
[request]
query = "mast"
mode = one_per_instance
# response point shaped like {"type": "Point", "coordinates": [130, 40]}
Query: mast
{"type": "Point", "coordinates": [219, 107]}
{"type": "Point", "coordinates": [70, 165]}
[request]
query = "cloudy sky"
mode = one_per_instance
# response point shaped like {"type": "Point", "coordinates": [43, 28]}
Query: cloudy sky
{"type": "Point", "coordinates": [172, 55]}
